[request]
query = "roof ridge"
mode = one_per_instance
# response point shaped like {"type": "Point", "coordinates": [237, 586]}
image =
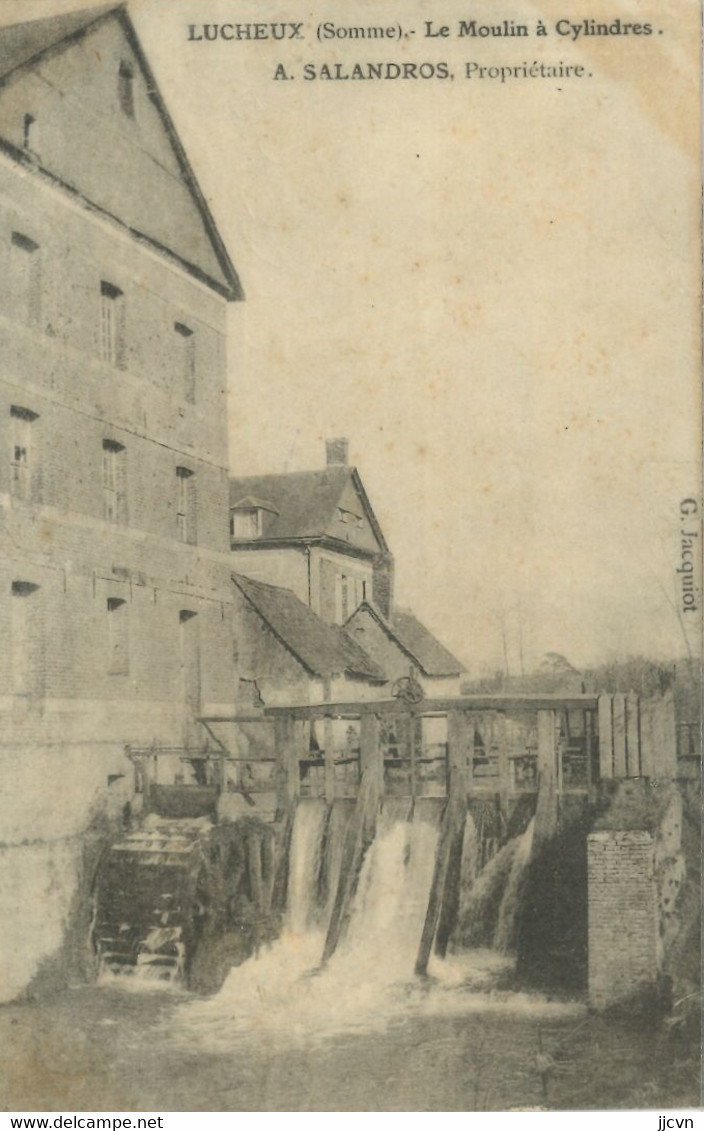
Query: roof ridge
{"type": "Point", "coordinates": [345, 468]}
{"type": "Point", "coordinates": [83, 17]}
{"type": "Point", "coordinates": [409, 646]}
{"type": "Point", "coordinates": [323, 649]}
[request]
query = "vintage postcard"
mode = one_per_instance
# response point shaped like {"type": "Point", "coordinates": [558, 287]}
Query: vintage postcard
{"type": "Point", "coordinates": [350, 537]}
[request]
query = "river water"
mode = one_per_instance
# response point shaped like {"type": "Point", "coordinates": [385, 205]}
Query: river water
{"type": "Point", "coordinates": [362, 1034]}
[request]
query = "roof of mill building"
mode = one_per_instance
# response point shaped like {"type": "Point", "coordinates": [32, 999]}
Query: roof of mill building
{"type": "Point", "coordinates": [174, 215]}
{"type": "Point", "coordinates": [324, 649]}
{"type": "Point", "coordinates": [413, 638]}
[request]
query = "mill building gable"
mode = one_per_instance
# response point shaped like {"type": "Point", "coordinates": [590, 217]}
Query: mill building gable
{"type": "Point", "coordinates": [80, 108]}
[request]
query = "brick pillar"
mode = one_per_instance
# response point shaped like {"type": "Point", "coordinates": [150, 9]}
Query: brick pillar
{"type": "Point", "coordinates": [623, 925]}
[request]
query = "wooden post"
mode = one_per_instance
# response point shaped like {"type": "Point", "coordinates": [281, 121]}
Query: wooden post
{"type": "Point", "coordinates": [371, 759]}
{"type": "Point", "coordinates": [222, 772]}
{"type": "Point", "coordinates": [633, 759]}
{"type": "Point", "coordinates": [501, 732]}
{"type": "Point", "coordinates": [606, 742]}
{"type": "Point", "coordinates": [589, 748]}
{"type": "Point", "coordinates": [459, 739]}
{"type": "Point", "coordinates": [646, 739]}
{"type": "Point", "coordinates": [471, 720]}
{"type": "Point", "coordinates": [559, 750]}
{"type": "Point", "coordinates": [287, 736]}
{"type": "Point", "coordinates": [459, 752]}
{"type": "Point", "coordinates": [665, 737]}
{"type": "Point", "coordinates": [268, 870]}
{"type": "Point", "coordinates": [412, 752]}
{"type": "Point", "coordinates": [329, 756]}
{"type": "Point", "coordinates": [619, 736]}
{"type": "Point", "coordinates": [254, 867]}
{"type": "Point", "coordinates": [546, 806]}
{"type": "Point", "coordinates": [353, 849]}
{"type": "Point", "coordinates": [452, 822]}
{"type": "Point", "coordinates": [142, 768]}
{"type": "Point", "coordinates": [281, 860]}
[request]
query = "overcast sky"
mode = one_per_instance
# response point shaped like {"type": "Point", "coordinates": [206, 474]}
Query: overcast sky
{"type": "Point", "coordinates": [490, 289]}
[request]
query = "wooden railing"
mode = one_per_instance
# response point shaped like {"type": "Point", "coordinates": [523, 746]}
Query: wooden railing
{"type": "Point", "coordinates": [505, 745]}
{"type": "Point", "coordinates": [498, 744]}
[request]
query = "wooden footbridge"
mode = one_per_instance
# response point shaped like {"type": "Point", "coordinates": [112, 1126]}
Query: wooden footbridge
{"type": "Point", "coordinates": [498, 744]}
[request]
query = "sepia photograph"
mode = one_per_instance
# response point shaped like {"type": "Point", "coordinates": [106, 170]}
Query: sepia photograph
{"type": "Point", "coordinates": [351, 555]}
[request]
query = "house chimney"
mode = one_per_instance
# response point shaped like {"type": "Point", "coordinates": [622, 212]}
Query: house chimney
{"type": "Point", "coordinates": [336, 452]}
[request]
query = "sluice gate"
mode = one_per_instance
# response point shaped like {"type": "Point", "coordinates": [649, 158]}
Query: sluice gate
{"type": "Point", "coordinates": [495, 777]}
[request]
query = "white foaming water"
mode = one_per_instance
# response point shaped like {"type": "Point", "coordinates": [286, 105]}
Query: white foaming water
{"type": "Point", "coordinates": [283, 995]}
{"type": "Point", "coordinates": [504, 936]}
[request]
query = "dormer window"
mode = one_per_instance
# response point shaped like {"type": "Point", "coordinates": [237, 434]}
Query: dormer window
{"type": "Point", "coordinates": [125, 87]}
{"type": "Point", "coordinates": [246, 523]}
{"type": "Point", "coordinates": [349, 518]}
{"type": "Point", "coordinates": [247, 518]}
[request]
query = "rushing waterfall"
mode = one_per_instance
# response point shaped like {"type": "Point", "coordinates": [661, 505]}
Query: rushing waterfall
{"type": "Point", "coordinates": [284, 994]}
{"type": "Point", "coordinates": [391, 900]}
{"type": "Point", "coordinates": [283, 989]}
{"type": "Point", "coordinates": [305, 863]}
{"type": "Point", "coordinates": [504, 935]}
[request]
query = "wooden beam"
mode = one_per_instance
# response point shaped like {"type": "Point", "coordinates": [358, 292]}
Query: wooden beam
{"type": "Point", "coordinates": [233, 719]}
{"type": "Point", "coordinates": [354, 710]}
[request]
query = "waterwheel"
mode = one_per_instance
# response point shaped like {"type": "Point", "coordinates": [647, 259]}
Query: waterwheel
{"type": "Point", "coordinates": [152, 896]}
{"type": "Point", "coordinates": [174, 887]}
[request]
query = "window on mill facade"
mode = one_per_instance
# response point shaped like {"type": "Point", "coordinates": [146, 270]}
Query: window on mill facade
{"type": "Point", "coordinates": [186, 343]}
{"type": "Point", "coordinates": [24, 644]}
{"type": "Point", "coordinates": [26, 278]}
{"type": "Point", "coordinates": [112, 324]}
{"type": "Point", "coordinates": [114, 482]}
{"type": "Point", "coordinates": [186, 505]}
{"type": "Point", "coordinates": [118, 639]}
{"type": "Point", "coordinates": [21, 451]}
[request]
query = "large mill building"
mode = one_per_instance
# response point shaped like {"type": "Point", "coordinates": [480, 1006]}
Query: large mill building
{"type": "Point", "coordinates": [115, 566]}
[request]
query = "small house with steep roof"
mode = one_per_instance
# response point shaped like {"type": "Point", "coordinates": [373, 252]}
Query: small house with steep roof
{"type": "Point", "coordinates": [403, 646]}
{"type": "Point", "coordinates": [314, 532]}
